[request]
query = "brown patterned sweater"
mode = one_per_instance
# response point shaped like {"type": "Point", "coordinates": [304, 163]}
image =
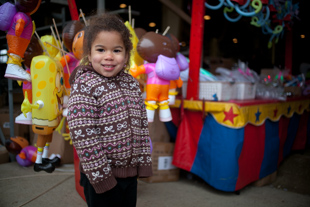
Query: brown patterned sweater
{"type": "Point", "coordinates": [108, 127]}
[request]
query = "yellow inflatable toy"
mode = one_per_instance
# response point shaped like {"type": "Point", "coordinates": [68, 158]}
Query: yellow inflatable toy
{"type": "Point", "coordinates": [47, 92]}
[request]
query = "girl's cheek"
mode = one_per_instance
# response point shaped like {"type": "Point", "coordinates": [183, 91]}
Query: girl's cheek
{"type": "Point", "coordinates": [96, 58]}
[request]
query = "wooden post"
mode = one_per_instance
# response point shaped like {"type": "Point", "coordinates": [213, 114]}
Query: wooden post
{"type": "Point", "coordinates": [195, 48]}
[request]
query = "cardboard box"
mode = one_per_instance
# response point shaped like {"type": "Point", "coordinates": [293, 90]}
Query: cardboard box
{"type": "Point", "coordinates": [293, 91]}
{"type": "Point", "coordinates": [158, 130]}
{"type": "Point", "coordinates": [3, 99]}
{"type": "Point", "coordinates": [4, 155]}
{"type": "Point", "coordinates": [18, 97]}
{"type": "Point", "coordinates": [216, 62]}
{"type": "Point", "coordinates": [266, 180]}
{"type": "Point", "coordinates": [19, 129]}
{"type": "Point", "coordinates": [163, 170]}
{"type": "Point", "coordinates": [269, 72]}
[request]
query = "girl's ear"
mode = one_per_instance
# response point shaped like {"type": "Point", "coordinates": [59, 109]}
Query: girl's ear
{"type": "Point", "coordinates": [88, 57]}
{"type": "Point", "coordinates": [126, 58]}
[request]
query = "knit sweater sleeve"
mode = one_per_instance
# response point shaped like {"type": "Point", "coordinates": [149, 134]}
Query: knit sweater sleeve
{"type": "Point", "coordinates": [82, 120]}
{"type": "Point", "coordinates": [145, 170]}
{"type": "Point", "coordinates": [144, 167]}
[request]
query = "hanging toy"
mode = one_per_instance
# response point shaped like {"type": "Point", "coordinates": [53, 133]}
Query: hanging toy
{"type": "Point", "coordinates": [77, 53]}
{"type": "Point", "coordinates": [18, 36]}
{"type": "Point", "coordinates": [160, 52]}
{"type": "Point", "coordinates": [34, 49]}
{"type": "Point", "coordinates": [47, 91]}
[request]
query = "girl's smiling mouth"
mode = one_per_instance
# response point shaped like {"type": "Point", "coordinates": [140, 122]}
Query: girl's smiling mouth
{"type": "Point", "coordinates": [108, 67]}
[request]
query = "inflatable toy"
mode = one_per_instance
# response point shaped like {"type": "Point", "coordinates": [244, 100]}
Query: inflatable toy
{"type": "Point", "coordinates": [139, 32]}
{"type": "Point", "coordinates": [27, 156]}
{"type": "Point", "coordinates": [135, 58]}
{"type": "Point", "coordinates": [46, 108]}
{"type": "Point", "coordinates": [15, 144]}
{"type": "Point", "coordinates": [163, 66]}
{"type": "Point", "coordinates": [69, 32]}
{"type": "Point", "coordinates": [72, 60]}
{"type": "Point", "coordinates": [34, 49]}
{"type": "Point", "coordinates": [18, 35]}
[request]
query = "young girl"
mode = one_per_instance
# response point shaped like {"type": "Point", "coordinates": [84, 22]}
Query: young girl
{"type": "Point", "coordinates": [107, 117]}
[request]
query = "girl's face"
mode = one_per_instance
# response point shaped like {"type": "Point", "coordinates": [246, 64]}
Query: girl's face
{"type": "Point", "coordinates": [108, 55]}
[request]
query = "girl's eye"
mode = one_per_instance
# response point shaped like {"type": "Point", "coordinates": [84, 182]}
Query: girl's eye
{"type": "Point", "coordinates": [117, 51]}
{"type": "Point", "coordinates": [100, 50]}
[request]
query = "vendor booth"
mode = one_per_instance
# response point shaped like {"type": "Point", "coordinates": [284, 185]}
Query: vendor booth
{"type": "Point", "coordinates": [232, 144]}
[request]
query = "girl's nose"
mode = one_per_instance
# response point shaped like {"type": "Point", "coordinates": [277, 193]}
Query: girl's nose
{"type": "Point", "coordinates": [108, 55]}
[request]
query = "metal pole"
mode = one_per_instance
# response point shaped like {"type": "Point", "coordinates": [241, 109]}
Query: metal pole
{"type": "Point", "coordinates": [100, 6]}
{"type": "Point", "coordinates": [11, 109]}
{"type": "Point", "coordinates": [11, 113]}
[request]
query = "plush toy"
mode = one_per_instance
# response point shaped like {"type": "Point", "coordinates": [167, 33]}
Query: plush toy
{"type": "Point", "coordinates": [18, 37]}
{"type": "Point", "coordinates": [161, 53]}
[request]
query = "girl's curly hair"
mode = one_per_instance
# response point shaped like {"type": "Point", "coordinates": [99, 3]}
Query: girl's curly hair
{"type": "Point", "coordinates": [106, 22]}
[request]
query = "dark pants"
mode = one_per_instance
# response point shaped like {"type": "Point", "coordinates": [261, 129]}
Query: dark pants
{"type": "Point", "coordinates": [123, 194]}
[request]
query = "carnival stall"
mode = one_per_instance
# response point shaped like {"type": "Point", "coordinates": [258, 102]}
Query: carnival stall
{"type": "Point", "coordinates": [231, 143]}
{"type": "Point", "coordinates": [231, 130]}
